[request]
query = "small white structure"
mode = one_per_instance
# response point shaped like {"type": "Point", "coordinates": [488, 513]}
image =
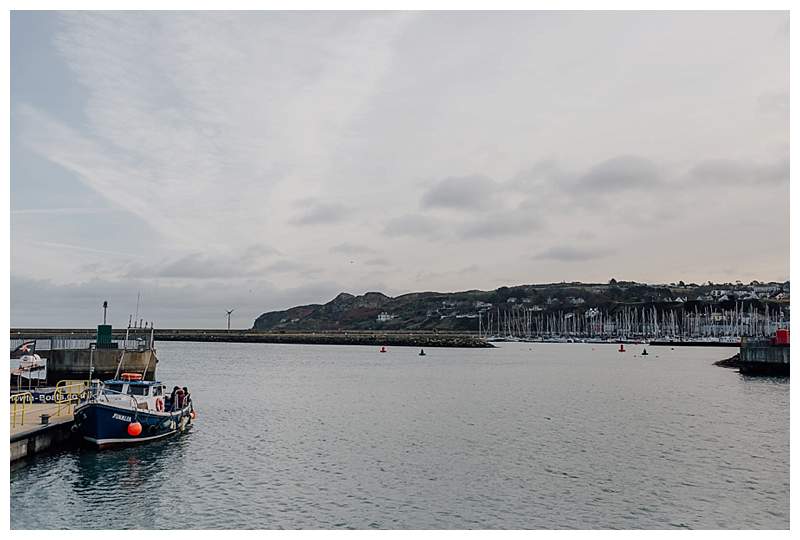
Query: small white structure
{"type": "Point", "coordinates": [383, 316]}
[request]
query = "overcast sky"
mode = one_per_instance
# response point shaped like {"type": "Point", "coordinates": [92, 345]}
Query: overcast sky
{"type": "Point", "coordinates": [262, 160]}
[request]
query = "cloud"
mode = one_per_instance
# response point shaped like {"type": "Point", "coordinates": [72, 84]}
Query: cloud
{"type": "Point", "coordinates": [321, 214]}
{"type": "Point", "coordinates": [461, 193]}
{"type": "Point", "coordinates": [413, 225]}
{"type": "Point", "coordinates": [379, 261]}
{"type": "Point", "coordinates": [517, 223]}
{"type": "Point", "coordinates": [729, 172]}
{"type": "Point", "coordinates": [622, 173]}
{"type": "Point", "coordinates": [348, 248]}
{"type": "Point", "coordinates": [170, 305]}
{"type": "Point", "coordinates": [571, 254]}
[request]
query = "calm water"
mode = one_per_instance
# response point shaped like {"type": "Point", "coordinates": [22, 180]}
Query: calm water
{"type": "Point", "coordinates": [522, 436]}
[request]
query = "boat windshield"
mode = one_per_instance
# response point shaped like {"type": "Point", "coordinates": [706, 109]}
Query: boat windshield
{"type": "Point", "coordinates": [137, 390]}
{"type": "Point", "coordinates": [114, 387]}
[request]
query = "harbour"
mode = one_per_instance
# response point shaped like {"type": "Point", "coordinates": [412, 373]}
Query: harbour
{"type": "Point", "coordinates": [518, 436]}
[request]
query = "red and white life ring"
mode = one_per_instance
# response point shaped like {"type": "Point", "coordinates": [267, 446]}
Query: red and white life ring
{"type": "Point", "coordinates": [159, 404]}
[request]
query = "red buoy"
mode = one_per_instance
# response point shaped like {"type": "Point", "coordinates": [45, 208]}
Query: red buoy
{"type": "Point", "coordinates": [383, 349]}
{"type": "Point", "coordinates": [194, 415]}
{"type": "Point", "coordinates": [134, 429]}
{"type": "Point", "coordinates": [621, 347]}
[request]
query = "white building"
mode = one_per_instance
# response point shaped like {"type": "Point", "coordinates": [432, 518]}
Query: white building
{"type": "Point", "coordinates": [383, 316]}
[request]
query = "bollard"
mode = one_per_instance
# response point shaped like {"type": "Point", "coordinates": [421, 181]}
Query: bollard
{"type": "Point", "coordinates": [45, 419]}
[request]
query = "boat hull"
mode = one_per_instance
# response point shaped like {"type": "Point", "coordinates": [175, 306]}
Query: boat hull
{"type": "Point", "coordinates": [106, 425]}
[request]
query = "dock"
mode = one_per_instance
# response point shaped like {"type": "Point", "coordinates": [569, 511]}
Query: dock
{"type": "Point", "coordinates": [30, 436]}
{"type": "Point", "coordinates": [36, 427]}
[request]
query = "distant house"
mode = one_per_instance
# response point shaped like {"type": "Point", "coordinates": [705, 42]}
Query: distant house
{"type": "Point", "coordinates": [512, 300]}
{"type": "Point", "coordinates": [383, 316]}
{"type": "Point", "coordinates": [536, 307]}
{"type": "Point", "coordinates": [576, 301]}
{"type": "Point", "coordinates": [479, 304]}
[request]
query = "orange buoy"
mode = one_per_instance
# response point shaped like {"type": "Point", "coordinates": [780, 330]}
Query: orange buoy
{"type": "Point", "coordinates": [131, 376]}
{"type": "Point", "coordinates": [134, 429]}
{"type": "Point", "coordinates": [194, 415]}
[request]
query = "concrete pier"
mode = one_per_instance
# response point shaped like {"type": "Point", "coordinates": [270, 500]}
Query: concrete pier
{"type": "Point", "coordinates": [29, 436]}
{"type": "Point", "coordinates": [763, 358]}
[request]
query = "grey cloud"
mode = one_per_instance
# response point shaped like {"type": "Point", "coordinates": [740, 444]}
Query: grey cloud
{"type": "Point", "coordinates": [321, 214]}
{"type": "Point", "coordinates": [570, 254]}
{"type": "Point", "coordinates": [733, 172]}
{"type": "Point", "coordinates": [620, 174]}
{"type": "Point", "coordinates": [518, 223]}
{"type": "Point", "coordinates": [537, 176]}
{"type": "Point", "coordinates": [285, 266]}
{"type": "Point", "coordinates": [379, 261]}
{"type": "Point", "coordinates": [461, 193]}
{"type": "Point", "coordinates": [414, 225]}
{"type": "Point", "coordinates": [348, 248]}
{"type": "Point", "coordinates": [36, 303]}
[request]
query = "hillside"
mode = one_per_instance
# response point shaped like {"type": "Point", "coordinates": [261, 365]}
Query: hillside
{"type": "Point", "coordinates": [459, 310]}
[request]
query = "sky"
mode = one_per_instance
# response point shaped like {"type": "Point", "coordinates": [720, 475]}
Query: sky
{"type": "Point", "coordinates": [202, 161]}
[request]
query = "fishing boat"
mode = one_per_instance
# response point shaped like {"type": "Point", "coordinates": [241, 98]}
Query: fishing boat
{"type": "Point", "coordinates": [129, 410]}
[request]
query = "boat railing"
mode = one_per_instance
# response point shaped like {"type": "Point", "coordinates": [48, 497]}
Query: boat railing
{"type": "Point", "coordinates": [58, 343]}
{"type": "Point", "coordinates": [68, 393]}
{"type": "Point", "coordinates": [100, 393]}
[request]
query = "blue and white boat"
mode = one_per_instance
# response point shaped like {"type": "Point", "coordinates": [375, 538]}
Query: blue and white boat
{"type": "Point", "coordinates": [129, 410]}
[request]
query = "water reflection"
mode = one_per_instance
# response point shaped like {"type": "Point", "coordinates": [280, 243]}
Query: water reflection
{"type": "Point", "coordinates": [333, 437]}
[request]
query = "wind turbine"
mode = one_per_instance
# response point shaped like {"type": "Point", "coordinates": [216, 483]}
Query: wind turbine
{"type": "Point", "coordinates": [229, 311]}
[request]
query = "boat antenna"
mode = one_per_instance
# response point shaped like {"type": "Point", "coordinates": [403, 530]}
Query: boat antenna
{"type": "Point", "coordinates": [105, 309]}
{"type": "Point", "coordinates": [124, 348]}
{"type": "Point", "coordinates": [138, 298]}
{"type": "Point", "coordinates": [229, 311]}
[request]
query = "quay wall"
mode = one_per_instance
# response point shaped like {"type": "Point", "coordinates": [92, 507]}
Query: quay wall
{"type": "Point", "coordinates": [45, 438]}
{"type": "Point", "coordinates": [74, 364]}
{"type": "Point", "coordinates": [763, 358]}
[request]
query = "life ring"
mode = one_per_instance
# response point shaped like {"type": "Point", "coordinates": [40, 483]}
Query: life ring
{"type": "Point", "coordinates": [159, 404]}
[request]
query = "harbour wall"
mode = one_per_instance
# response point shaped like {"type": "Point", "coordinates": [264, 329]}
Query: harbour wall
{"type": "Point", "coordinates": [410, 339]}
{"type": "Point", "coordinates": [45, 438]}
{"type": "Point", "coordinates": [763, 358]}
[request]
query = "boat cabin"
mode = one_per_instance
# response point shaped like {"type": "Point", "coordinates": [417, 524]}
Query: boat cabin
{"type": "Point", "coordinates": [144, 395]}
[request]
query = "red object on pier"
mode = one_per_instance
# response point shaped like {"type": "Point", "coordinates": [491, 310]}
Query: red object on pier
{"type": "Point", "coordinates": [621, 347]}
{"type": "Point", "coordinates": [782, 337]}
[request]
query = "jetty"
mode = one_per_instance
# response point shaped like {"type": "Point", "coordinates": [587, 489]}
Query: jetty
{"type": "Point", "coordinates": [396, 339]}
{"type": "Point", "coordinates": [768, 357]}
{"type": "Point", "coordinates": [37, 427]}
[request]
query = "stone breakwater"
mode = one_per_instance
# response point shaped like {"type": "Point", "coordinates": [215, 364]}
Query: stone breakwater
{"type": "Point", "coordinates": [373, 339]}
{"type": "Point", "coordinates": [395, 339]}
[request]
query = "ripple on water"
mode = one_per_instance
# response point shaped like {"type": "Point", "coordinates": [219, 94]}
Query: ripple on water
{"type": "Point", "coordinates": [564, 436]}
